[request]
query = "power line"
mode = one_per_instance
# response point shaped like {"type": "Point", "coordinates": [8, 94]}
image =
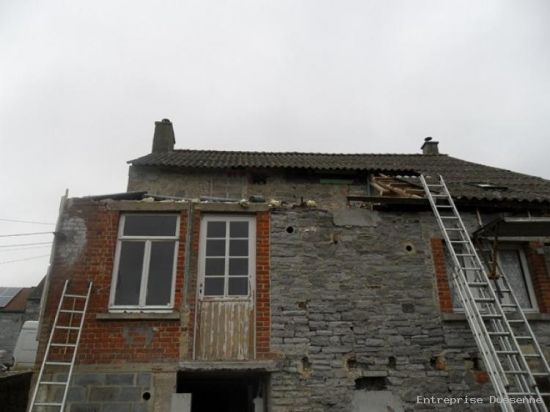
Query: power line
{"type": "Point", "coordinates": [26, 221]}
{"type": "Point", "coordinates": [27, 234]}
{"type": "Point", "coordinates": [22, 260]}
{"type": "Point", "coordinates": [19, 248]}
{"type": "Point", "coordinates": [26, 244]}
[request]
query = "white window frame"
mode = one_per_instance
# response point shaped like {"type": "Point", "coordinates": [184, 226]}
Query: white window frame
{"type": "Point", "coordinates": [141, 306]}
{"type": "Point", "coordinates": [251, 256]}
{"type": "Point", "coordinates": [526, 273]}
{"type": "Point", "coordinates": [527, 278]}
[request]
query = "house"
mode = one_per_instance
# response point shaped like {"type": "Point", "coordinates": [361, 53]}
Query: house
{"type": "Point", "coordinates": [244, 281]}
{"type": "Point", "coordinates": [17, 305]}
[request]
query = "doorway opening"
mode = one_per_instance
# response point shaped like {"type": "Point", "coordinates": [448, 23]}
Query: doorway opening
{"type": "Point", "coordinates": [224, 392]}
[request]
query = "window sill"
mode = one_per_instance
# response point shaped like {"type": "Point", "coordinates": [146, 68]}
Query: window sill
{"type": "Point", "coordinates": [461, 317]}
{"type": "Point", "coordinates": [138, 316]}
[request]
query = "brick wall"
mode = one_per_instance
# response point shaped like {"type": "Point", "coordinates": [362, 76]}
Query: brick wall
{"type": "Point", "coordinates": [539, 275]}
{"type": "Point", "coordinates": [85, 253]}
{"type": "Point", "coordinates": [442, 280]}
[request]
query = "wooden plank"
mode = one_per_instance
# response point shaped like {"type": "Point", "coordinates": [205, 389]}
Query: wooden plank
{"type": "Point", "coordinates": [225, 330]}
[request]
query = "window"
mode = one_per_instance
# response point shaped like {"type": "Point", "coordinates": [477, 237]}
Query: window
{"type": "Point", "coordinates": [227, 255]}
{"type": "Point", "coordinates": [145, 262]}
{"type": "Point", "coordinates": [512, 261]}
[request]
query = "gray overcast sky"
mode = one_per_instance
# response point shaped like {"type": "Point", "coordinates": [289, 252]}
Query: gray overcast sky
{"type": "Point", "coordinates": [81, 83]}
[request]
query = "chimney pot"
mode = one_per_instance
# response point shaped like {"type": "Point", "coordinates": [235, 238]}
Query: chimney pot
{"type": "Point", "coordinates": [430, 147]}
{"type": "Point", "coordinates": [163, 139]}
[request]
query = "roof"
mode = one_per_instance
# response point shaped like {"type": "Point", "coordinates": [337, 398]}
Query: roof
{"type": "Point", "coordinates": [535, 227]}
{"type": "Point", "coordinates": [18, 302]}
{"type": "Point", "coordinates": [460, 175]}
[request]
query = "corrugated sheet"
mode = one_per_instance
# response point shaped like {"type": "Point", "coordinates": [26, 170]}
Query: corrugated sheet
{"type": "Point", "coordinates": [458, 173]}
{"type": "Point", "coordinates": [226, 330]}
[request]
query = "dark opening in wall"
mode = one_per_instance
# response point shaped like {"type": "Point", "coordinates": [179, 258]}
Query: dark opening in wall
{"type": "Point", "coordinates": [146, 396]}
{"type": "Point", "coordinates": [371, 383]}
{"type": "Point", "coordinates": [306, 364]}
{"type": "Point", "coordinates": [290, 229]}
{"type": "Point", "coordinates": [392, 362]}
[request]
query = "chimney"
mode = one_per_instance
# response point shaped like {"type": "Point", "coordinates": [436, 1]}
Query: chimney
{"type": "Point", "coordinates": [429, 147]}
{"type": "Point", "coordinates": [163, 140]}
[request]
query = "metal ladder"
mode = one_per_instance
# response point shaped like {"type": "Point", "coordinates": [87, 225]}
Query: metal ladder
{"type": "Point", "coordinates": [61, 350]}
{"type": "Point", "coordinates": [509, 349]}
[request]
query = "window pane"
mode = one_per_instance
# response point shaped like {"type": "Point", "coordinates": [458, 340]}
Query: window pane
{"type": "Point", "coordinates": [213, 286]}
{"type": "Point", "coordinates": [215, 229]}
{"type": "Point", "coordinates": [159, 283]}
{"type": "Point", "coordinates": [238, 286]}
{"type": "Point", "coordinates": [513, 270]}
{"type": "Point", "coordinates": [238, 229]}
{"type": "Point", "coordinates": [215, 247]}
{"type": "Point", "coordinates": [129, 273]}
{"type": "Point", "coordinates": [238, 267]}
{"type": "Point", "coordinates": [214, 267]}
{"type": "Point", "coordinates": [150, 225]}
{"type": "Point", "coordinates": [238, 247]}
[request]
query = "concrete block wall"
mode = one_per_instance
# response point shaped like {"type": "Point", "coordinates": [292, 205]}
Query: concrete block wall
{"type": "Point", "coordinates": [124, 391]}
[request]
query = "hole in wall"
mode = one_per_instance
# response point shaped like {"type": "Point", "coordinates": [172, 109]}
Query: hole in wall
{"type": "Point", "coordinates": [371, 383]}
{"type": "Point", "coordinates": [407, 307]}
{"type": "Point", "coordinates": [306, 364]}
{"type": "Point", "coordinates": [289, 229]}
{"type": "Point", "coordinates": [392, 362]}
{"type": "Point", "coordinates": [146, 396]}
{"type": "Point", "coordinates": [351, 363]}
{"type": "Point", "coordinates": [409, 248]}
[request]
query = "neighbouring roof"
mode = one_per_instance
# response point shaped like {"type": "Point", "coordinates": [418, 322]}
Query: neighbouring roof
{"type": "Point", "coordinates": [465, 179]}
{"type": "Point", "coordinates": [14, 299]}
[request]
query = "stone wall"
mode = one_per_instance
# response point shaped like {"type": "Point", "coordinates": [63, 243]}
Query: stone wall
{"type": "Point", "coordinates": [238, 184]}
{"type": "Point", "coordinates": [355, 308]}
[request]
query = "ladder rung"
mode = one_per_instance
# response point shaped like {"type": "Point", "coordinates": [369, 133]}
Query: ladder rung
{"type": "Point", "coordinates": [70, 295]}
{"type": "Point", "coordinates": [484, 299]}
{"type": "Point", "coordinates": [531, 355]}
{"type": "Point", "coordinates": [444, 206]}
{"type": "Point", "coordinates": [65, 345]}
{"type": "Point", "coordinates": [68, 327]}
{"type": "Point", "coordinates": [72, 311]}
{"type": "Point", "coordinates": [516, 321]}
{"type": "Point", "coordinates": [540, 373]}
{"type": "Point", "coordinates": [47, 404]}
{"type": "Point", "coordinates": [460, 241]}
{"type": "Point", "coordinates": [464, 254]}
{"type": "Point", "coordinates": [453, 229]}
{"type": "Point", "coordinates": [507, 352]}
{"type": "Point", "coordinates": [52, 383]}
{"type": "Point", "coordinates": [478, 284]}
{"type": "Point", "coordinates": [470, 268]}
{"type": "Point", "coordinates": [58, 363]}
{"type": "Point", "coordinates": [523, 337]}
{"type": "Point", "coordinates": [499, 333]}
{"type": "Point", "coordinates": [448, 217]}
{"type": "Point", "coordinates": [512, 372]}
{"type": "Point", "coordinates": [437, 185]}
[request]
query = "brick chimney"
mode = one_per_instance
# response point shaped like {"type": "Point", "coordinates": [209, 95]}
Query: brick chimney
{"type": "Point", "coordinates": [163, 140]}
{"type": "Point", "coordinates": [429, 147]}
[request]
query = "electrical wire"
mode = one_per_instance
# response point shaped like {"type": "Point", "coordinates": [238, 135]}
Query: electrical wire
{"type": "Point", "coordinates": [19, 248]}
{"type": "Point", "coordinates": [27, 234]}
{"type": "Point", "coordinates": [22, 260]}
{"type": "Point", "coordinates": [26, 221]}
{"type": "Point", "coordinates": [25, 244]}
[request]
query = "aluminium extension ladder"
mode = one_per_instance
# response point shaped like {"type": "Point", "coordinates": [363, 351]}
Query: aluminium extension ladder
{"type": "Point", "coordinates": [60, 354]}
{"type": "Point", "coordinates": [510, 351]}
